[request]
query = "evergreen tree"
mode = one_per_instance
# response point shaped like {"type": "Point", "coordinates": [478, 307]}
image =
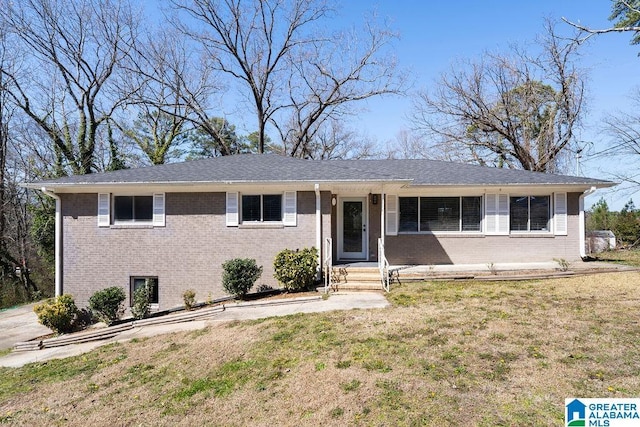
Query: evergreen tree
{"type": "Point", "coordinates": [627, 224]}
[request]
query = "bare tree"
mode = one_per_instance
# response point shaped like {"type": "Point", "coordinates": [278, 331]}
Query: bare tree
{"type": "Point", "coordinates": [249, 41]}
{"type": "Point", "coordinates": [627, 14]}
{"type": "Point", "coordinates": [333, 140]}
{"type": "Point", "coordinates": [15, 257]}
{"type": "Point", "coordinates": [295, 74]}
{"type": "Point", "coordinates": [330, 77]}
{"type": "Point", "coordinates": [514, 110]}
{"type": "Point", "coordinates": [72, 50]}
{"type": "Point", "coordinates": [168, 89]}
{"type": "Point", "coordinates": [624, 128]}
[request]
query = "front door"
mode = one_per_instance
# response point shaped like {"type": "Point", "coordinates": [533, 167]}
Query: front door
{"type": "Point", "coordinates": [352, 224]}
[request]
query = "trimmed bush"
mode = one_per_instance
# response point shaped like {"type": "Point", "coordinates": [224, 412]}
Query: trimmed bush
{"type": "Point", "coordinates": [142, 301]}
{"type": "Point", "coordinates": [58, 313]}
{"type": "Point", "coordinates": [108, 304]}
{"type": "Point", "coordinates": [189, 298]}
{"type": "Point", "coordinates": [296, 270]}
{"type": "Point", "coordinates": [239, 276]}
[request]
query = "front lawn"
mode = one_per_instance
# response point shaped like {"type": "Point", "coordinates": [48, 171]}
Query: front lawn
{"type": "Point", "coordinates": [446, 353]}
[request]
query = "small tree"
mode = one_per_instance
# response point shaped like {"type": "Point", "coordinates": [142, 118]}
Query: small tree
{"type": "Point", "coordinates": [108, 304]}
{"type": "Point", "coordinates": [189, 298]}
{"type": "Point", "coordinates": [239, 275]}
{"type": "Point", "coordinates": [58, 313]}
{"type": "Point", "coordinates": [627, 224]}
{"type": "Point", "coordinates": [296, 270]}
{"type": "Point", "coordinates": [142, 301]}
{"type": "Point", "coordinates": [600, 218]}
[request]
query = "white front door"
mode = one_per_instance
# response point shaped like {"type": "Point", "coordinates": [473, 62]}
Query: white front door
{"type": "Point", "coordinates": [352, 228]}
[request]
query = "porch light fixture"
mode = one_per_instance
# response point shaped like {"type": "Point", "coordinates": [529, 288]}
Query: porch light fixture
{"type": "Point", "coordinates": [333, 201]}
{"type": "Point", "coordinates": [374, 199]}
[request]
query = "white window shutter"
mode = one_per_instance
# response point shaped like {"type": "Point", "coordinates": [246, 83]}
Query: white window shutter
{"type": "Point", "coordinates": [290, 209]}
{"type": "Point", "coordinates": [503, 214]}
{"type": "Point", "coordinates": [391, 219]}
{"type": "Point", "coordinates": [496, 214]}
{"type": "Point", "coordinates": [158, 210]}
{"type": "Point", "coordinates": [104, 209]}
{"type": "Point", "coordinates": [232, 209]}
{"type": "Point", "coordinates": [560, 214]}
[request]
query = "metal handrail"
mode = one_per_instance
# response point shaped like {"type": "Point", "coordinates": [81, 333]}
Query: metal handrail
{"type": "Point", "coordinates": [328, 263]}
{"type": "Point", "coordinates": [383, 266]}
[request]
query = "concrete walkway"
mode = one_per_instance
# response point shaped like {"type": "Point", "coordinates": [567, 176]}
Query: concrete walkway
{"type": "Point", "coordinates": [191, 321]}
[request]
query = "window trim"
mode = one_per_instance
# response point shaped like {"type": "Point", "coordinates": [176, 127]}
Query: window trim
{"type": "Point", "coordinates": [460, 231]}
{"type": "Point", "coordinates": [262, 205]}
{"type": "Point", "coordinates": [133, 221]}
{"type": "Point", "coordinates": [106, 211]}
{"type": "Point", "coordinates": [288, 207]}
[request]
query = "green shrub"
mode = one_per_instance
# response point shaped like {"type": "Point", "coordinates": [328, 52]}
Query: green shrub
{"type": "Point", "coordinates": [108, 304]}
{"type": "Point", "coordinates": [58, 313]}
{"type": "Point", "coordinates": [296, 270]}
{"type": "Point", "coordinates": [189, 298]}
{"type": "Point", "coordinates": [239, 275]}
{"type": "Point", "coordinates": [142, 301]}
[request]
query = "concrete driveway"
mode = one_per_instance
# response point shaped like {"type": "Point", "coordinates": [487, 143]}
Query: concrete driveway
{"type": "Point", "coordinates": [19, 324]}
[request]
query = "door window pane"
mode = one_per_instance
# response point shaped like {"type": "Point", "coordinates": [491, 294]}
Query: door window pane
{"type": "Point", "coordinates": [352, 226]}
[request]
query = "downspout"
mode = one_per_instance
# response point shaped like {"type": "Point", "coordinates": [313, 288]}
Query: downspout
{"type": "Point", "coordinates": [383, 210]}
{"type": "Point", "coordinates": [58, 240]}
{"type": "Point", "coordinates": [318, 229]}
{"type": "Point", "coordinates": [581, 221]}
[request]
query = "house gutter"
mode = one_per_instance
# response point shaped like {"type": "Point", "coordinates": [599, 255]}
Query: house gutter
{"type": "Point", "coordinates": [58, 241]}
{"type": "Point", "coordinates": [318, 228]}
{"type": "Point", "coordinates": [581, 222]}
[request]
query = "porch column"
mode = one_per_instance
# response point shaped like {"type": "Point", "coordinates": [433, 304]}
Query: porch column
{"type": "Point", "coordinates": [581, 222]}
{"type": "Point", "coordinates": [382, 214]}
{"type": "Point", "coordinates": [318, 228]}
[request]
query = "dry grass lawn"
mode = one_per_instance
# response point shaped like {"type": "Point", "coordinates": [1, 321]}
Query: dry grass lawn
{"type": "Point", "coordinates": [456, 353]}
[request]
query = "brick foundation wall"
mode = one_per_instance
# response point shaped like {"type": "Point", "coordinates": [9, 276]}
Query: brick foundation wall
{"type": "Point", "coordinates": [185, 254]}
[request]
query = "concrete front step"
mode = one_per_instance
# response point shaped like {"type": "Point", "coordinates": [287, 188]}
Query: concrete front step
{"type": "Point", "coordinates": [353, 286]}
{"type": "Point", "coordinates": [355, 275]}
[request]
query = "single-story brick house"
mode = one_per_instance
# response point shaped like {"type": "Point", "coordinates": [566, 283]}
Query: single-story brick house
{"type": "Point", "coordinates": [177, 223]}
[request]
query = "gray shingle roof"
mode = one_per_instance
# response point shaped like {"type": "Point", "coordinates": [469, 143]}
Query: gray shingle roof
{"type": "Point", "coordinates": [435, 172]}
{"type": "Point", "coordinates": [248, 168]}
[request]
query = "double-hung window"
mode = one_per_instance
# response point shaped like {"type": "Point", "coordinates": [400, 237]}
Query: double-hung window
{"type": "Point", "coordinates": [262, 208]}
{"type": "Point", "coordinates": [131, 210]}
{"type": "Point", "coordinates": [530, 213]}
{"type": "Point", "coordinates": [251, 209]}
{"type": "Point", "coordinates": [440, 214]}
